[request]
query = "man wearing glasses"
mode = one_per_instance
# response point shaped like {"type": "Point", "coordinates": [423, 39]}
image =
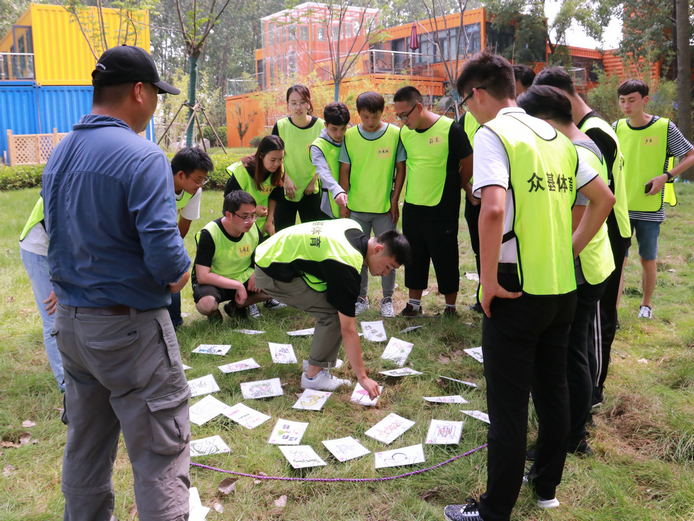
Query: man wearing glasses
{"type": "Point", "coordinates": [439, 164]}
{"type": "Point", "coordinates": [223, 268]}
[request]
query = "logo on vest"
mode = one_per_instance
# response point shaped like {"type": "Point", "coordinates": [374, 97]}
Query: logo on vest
{"type": "Point", "coordinates": [650, 141]}
{"type": "Point", "coordinates": [561, 184]}
{"type": "Point", "coordinates": [384, 153]}
{"type": "Point", "coordinates": [435, 140]}
{"type": "Point", "coordinates": [244, 251]}
{"type": "Point", "coordinates": [317, 231]}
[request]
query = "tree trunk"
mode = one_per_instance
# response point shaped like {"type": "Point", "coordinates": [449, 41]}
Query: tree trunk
{"type": "Point", "coordinates": [684, 76]}
{"type": "Point", "coordinates": [191, 98]}
{"type": "Point", "coordinates": [337, 90]}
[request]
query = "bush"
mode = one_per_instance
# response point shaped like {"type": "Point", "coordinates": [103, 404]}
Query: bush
{"type": "Point", "coordinates": [209, 135]}
{"type": "Point", "coordinates": [21, 176]}
{"type": "Point", "coordinates": [255, 141]}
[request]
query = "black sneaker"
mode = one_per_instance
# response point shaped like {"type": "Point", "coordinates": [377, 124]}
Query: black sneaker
{"type": "Point", "coordinates": [477, 308]}
{"type": "Point", "coordinates": [409, 311]}
{"type": "Point", "coordinates": [582, 449]}
{"type": "Point", "coordinates": [530, 455]}
{"type": "Point", "coordinates": [234, 312]}
{"type": "Point", "coordinates": [467, 512]}
{"type": "Point", "coordinates": [274, 304]}
{"type": "Point", "coordinates": [215, 318]}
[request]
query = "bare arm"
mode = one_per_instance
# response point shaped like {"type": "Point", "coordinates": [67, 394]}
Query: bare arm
{"type": "Point", "coordinates": [397, 190]}
{"type": "Point", "coordinates": [576, 215]}
{"type": "Point", "coordinates": [660, 180]}
{"type": "Point", "coordinates": [177, 286]}
{"type": "Point", "coordinates": [269, 225]}
{"type": "Point", "coordinates": [465, 170]}
{"type": "Point", "coordinates": [205, 276]}
{"type": "Point", "coordinates": [350, 337]}
{"type": "Point", "coordinates": [183, 226]}
{"type": "Point", "coordinates": [601, 202]}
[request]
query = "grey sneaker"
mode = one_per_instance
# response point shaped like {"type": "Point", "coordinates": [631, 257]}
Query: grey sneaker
{"type": "Point", "coordinates": [361, 305]}
{"type": "Point", "coordinates": [338, 363]}
{"type": "Point", "coordinates": [387, 310]}
{"type": "Point", "coordinates": [274, 304]}
{"type": "Point", "coordinates": [468, 512]}
{"type": "Point", "coordinates": [645, 312]}
{"type": "Point", "coordinates": [253, 311]}
{"type": "Point", "coordinates": [323, 381]}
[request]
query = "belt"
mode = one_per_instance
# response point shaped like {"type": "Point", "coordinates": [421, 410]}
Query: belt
{"type": "Point", "coordinates": [107, 311]}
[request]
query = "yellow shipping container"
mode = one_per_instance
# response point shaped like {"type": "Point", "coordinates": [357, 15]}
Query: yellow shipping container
{"type": "Point", "coordinates": [62, 55]}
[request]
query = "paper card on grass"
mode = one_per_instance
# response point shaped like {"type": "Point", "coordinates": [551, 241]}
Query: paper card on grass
{"type": "Point", "coordinates": [471, 384]}
{"type": "Point", "coordinates": [389, 428]}
{"type": "Point", "coordinates": [398, 457]}
{"type": "Point", "coordinates": [197, 512]}
{"type": "Point", "coordinates": [287, 432]}
{"type": "Point", "coordinates": [206, 446]}
{"type": "Point", "coordinates": [361, 396]}
{"type": "Point", "coordinates": [206, 409]}
{"type": "Point", "coordinates": [301, 456]}
{"type": "Point", "coordinates": [311, 400]}
{"type": "Point", "coordinates": [405, 371]}
{"type": "Point", "coordinates": [346, 448]}
{"type": "Point", "coordinates": [472, 276]}
{"type": "Point", "coordinates": [411, 328]}
{"type": "Point", "coordinates": [203, 385]}
{"type": "Point", "coordinates": [478, 414]}
{"type": "Point", "coordinates": [242, 365]}
{"type": "Point", "coordinates": [397, 350]}
{"type": "Point", "coordinates": [245, 416]}
{"type": "Point", "coordinates": [444, 432]}
{"type": "Point", "coordinates": [249, 331]}
{"type": "Point", "coordinates": [374, 331]}
{"type": "Point", "coordinates": [282, 353]}
{"type": "Point", "coordinates": [212, 349]}
{"type": "Point", "coordinates": [476, 353]}
{"type": "Point", "coordinates": [186, 367]}
{"type": "Point", "coordinates": [261, 389]}
{"type": "Point", "coordinates": [456, 398]}
{"type": "Point", "coordinates": [302, 332]}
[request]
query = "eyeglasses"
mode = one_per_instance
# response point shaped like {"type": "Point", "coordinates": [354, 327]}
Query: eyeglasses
{"type": "Point", "coordinates": [294, 104]}
{"type": "Point", "coordinates": [483, 87]}
{"type": "Point", "coordinates": [248, 218]}
{"type": "Point", "coordinates": [400, 117]}
{"type": "Point", "coordinates": [200, 183]}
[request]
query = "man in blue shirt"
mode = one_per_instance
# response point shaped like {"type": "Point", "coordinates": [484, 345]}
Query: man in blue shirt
{"type": "Point", "coordinates": [115, 255]}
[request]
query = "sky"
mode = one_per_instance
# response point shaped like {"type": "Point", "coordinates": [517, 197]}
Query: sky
{"type": "Point", "coordinates": [577, 37]}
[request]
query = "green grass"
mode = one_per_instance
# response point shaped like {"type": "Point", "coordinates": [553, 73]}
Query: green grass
{"type": "Point", "coordinates": [643, 439]}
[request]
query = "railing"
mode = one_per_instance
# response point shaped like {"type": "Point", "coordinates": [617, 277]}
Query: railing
{"type": "Point", "coordinates": [246, 85]}
{"type": "Point", "coordinates": [16, 66]}
{"type": "Point", "coordinates": [31, 149]}
{"type": "Point", "coordinates": [377, 61]}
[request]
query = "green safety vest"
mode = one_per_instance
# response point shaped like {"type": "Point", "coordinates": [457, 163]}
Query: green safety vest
{"type": "Point", "coordinates": [247, 184]}
{"type": "Point", "coordinates": [231, 259]}
{"type": "Point", "coordinates": [315, 241]}
{"type": "Point", "coordinates": [35, 218]}
{"type": "Point", "coordinates": [618, 185]}
{"type": "Point", "coordinates": [297, 144]}
{"type": "Point", "coordinates": [644, 155]}
{"type": "Point", "coordinates": [597, 261]}
{"type": "Point", "coordinates": [470, 126]}
{"type": "Point", "coordinates": [669, 196]}
{"type": "Point", "coordinates": [183, 201]}
{"type": "Point", "coordinates": [427, 156]}
{"type": "Point", "coordinates": [543, 179]}
{"type": "Point", "coordinates": [372, 169]}
{"type": "Point", "coordinates": [332, 157]}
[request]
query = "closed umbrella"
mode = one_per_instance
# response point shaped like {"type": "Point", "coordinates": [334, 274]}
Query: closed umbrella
{"type": "Point", "coordinates": [414, 39]}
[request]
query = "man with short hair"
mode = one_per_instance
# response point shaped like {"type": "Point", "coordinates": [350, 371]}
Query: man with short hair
{"type": "Point", "coordinates": [115, 255]}
{"type": "Point", "coordinates": [524, 76]}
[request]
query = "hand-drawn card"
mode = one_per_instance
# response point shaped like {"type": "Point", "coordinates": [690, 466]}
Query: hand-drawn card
{"type": "Point", "coordinates": [186, 367]}
{"type": "Point", "coordinates": [361, 396]}
{"type": "Point", "coordinates": [444, 432]}
{"type": "Point", "coordinates": [212, 349]}
{"type": "Point", "coordinates": [197, 511]}
{"type": "Point", "coordinates": [346, 448]}
{"type": "Point", "coordinates": [471, 384]}
{"type": "Point", "coordinates": [374, 331]}
{"type": "Point", "coordinates": [205, 446]}
{"type": "Point", "coordinates": [261, 389]}
{"type": "Point", "coordinates": [476, 353]}
{"type": "Point", "coordinates": [301, 456]}
{"type": "Point", "coordinates": [244, 415]}
{"type": "Point", "coordinates": [398, 457]}
{"type": "Point", "coordinates": [411, 328]}
{"type": "Point", "coordinates": [206, 409]}
{"type": "Point", "coordinates": [287, 432]}
{"type": "Point", "coordinates": [405, 371]}
{"type": "Point", "coordinates": [389, 428]}
{"type": "Point", "coordinates": [249, 331]}
{"type": "Point", "coordinates": [312, 400]}
{"type": "Point", "coordinates": [203, 385]}
{"type": "Point", "coordinates": [479, 415]}
{"type": "Point", "coordinates": [397, 350]}
{"type": "Point", "coordinates": [242, 365]}
{"type": "Point", "coordinates": [282, 353]}
{"type": "Point", "coordinates": [302, 332]}
{"type": "Point", "coordinates": [456, 398]}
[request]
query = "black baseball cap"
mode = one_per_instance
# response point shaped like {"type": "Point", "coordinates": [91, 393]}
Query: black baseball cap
{"type": "Point", "coordinates": [127, 63]}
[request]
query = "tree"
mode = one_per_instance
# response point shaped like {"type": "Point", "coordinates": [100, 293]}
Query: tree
{"type": "Point", "coordinates": [684, 73]}
{"type": "Point", "coordinates": [242, 121]}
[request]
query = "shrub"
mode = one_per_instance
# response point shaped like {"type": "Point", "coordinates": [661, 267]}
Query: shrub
{"type": "Point", "coordinates": [255, 141]}
{"type": "Point", "coordinates": [21, 176]}
{"type": "Point", "coordinates": [209, 135]}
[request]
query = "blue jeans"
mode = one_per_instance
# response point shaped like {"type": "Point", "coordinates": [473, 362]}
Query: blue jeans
{"type": "Point", "coordinates": [39, 276]}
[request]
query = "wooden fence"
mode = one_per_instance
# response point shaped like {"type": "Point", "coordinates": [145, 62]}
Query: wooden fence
{"type": "Point", "coordinates": [31, 149]}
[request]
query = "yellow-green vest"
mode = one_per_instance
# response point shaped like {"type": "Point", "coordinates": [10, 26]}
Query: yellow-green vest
{"type": "Point", "coordinates": [297, 144]}
{"type": "Point", "coordinates": [470, 126]}
{"type": "Point", "coordinates": [35, 218]}
{"type": "Point", "coordinates": [247, 184]}
{"type": "Point", "coordinates": [644, 157]}
{"type": "Point", "coordinates": [315, 241]}
{"type": "Point", "coordinates": [597, 261]}
{"type": "Point", "coordinates": [427, 157]}
{"type": "Point", "coordinates": [183, 201]}
{"type": "Point", "coordinates": [372, 169]}
{"type": "Point", "coordinates": [543, 179]}
{"type": "Point", "coordinates": [669, 196]}
{"type": "Point", "coordinates": [332, 157]}
{"type": "Point", "coordinates": [618, 185]}
{"type": "Point", "coordinates": [232, 259]}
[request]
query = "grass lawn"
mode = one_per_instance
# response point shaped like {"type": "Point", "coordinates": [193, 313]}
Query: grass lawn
{"type": "Point", "coordinates": [643, 440]}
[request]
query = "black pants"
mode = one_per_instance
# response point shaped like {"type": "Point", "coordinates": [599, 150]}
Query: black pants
{"type": "Point", "coordinates": [175, 310]}
{"type": "Point", "coordinates": [524, 345]}
{"type": "Point", "coordinates": [308, 209]}
{"type": "Point", "coordinates": [472, 217]}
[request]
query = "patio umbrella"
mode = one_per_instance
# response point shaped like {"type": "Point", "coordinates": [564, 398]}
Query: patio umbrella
{"type": "Point", "coordinates": [414, 39]}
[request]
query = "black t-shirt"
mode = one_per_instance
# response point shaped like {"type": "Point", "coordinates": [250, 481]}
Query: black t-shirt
{"type": "Point", "coordinates": [343, 281]}
{"type": "Point", "coordinates": [206, 248]}
{"type": "Point", "coordinates": [276, 132]}
{"type": "Point", "coordinates": [448, 208]}
{"type": "Point", "coordinates": [233, 184]}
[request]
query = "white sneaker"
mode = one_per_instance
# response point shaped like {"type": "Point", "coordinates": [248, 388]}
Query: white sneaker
{"type": "Point", "coordinates": [338, 363]}
{"type": "Point", "coordinates": [323, 381]}
{"type": "Point", "coordinates": [361, 305]}
{"type": "Point", "coordinates": [253, 311]}
{"type": "Point", "coordinates": [548, 503]}
{"type": "Point", "coordinates": [645, 312]}
{"type": "Point", "coordinates": [387, 310]}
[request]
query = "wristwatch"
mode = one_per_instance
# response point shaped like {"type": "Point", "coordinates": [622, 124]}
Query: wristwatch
{"type": "Point", "coordinates": [669, 175]}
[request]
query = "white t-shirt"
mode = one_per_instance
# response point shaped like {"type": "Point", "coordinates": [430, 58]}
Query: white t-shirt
{"type": "Point", "coordinates": [36, 240]}
{"type": "Point", "coordinates": [191, 211]}
{"type": "Point", "coordinates": [490, 167]}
